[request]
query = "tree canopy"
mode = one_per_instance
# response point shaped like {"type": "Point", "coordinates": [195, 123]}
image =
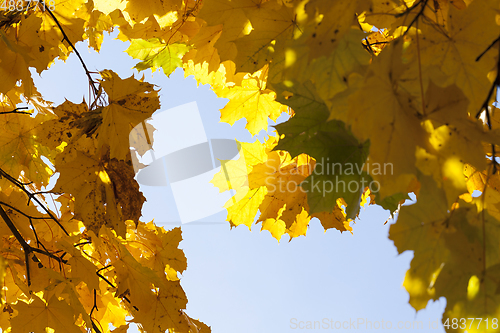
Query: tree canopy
{"type": "Point", "coordinates": [385, 97]}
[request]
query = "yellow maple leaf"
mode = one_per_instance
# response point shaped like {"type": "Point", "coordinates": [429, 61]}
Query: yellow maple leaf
{"type": "Point", "coordinates": [130, 103]}
{"type": "Point", "coordinates": [38, 315]}
{"type": "Point", "coordinates": [70, 14]}
{"type": "Point", "coordinates": [385, 115]}
{"type": "Point", "coordinates": [20, 151]}
{"type": "Point", "coordinates": [104, 191]}
{"type": "Point", "coordinates": [252, 101]}
{"type": "Point", "coordinates": [13, 64]}
{"type": "Point", "coordinates": [454, 51]}
{"type": "Point", "coordinates": [421, 230]}
{"type": "Point", "coordinates": [139, 10]}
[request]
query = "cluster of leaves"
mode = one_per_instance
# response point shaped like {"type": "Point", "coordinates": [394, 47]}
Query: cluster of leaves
{"type": "Point", "coordinates": [88, 263]}
{"type": "Point", "coordinates": [404, 84]}
{"type": "Point", "coordinates": [396, 93]}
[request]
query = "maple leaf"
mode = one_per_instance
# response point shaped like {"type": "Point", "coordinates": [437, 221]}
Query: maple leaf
{"type": "Point", "coordinates": [72, 121]}
{"type": "Point", "coordinates": [330, 73]}
{"type": "Point", "coordinates": [130, 103]}
{"type": "Point", "coordinates": [252, 101]}
{"type": "Point", "coordinates": [395, 132]}
{"type": "Point", "coordinates": [67, 14]}
{"type": "Point", "coordinates": [156, 54]}
{"type": "Point", "coordinates": [37, 315]}
{"type": "Point", "coordinates": [104, 191]}
{"type": "Point", "coordinates": [271, 24]}
{"type": "Point", "coordinates": [331, 145]}
{"type": "Point", "coordinates": [135, 280]}
{"type": "Point", "coordinates": [167, 256]}
{"type": "Point", "coordinates": [331, 22]}
{"type": "Point", "coordinates": [421, 231]}
{"type": "Point", "coordinates": [140, 10]}
{"type": "Point", "coordinates": [81, 267]}
{"type": "Point", "coordinates": [268, 181]}
{"type": "Point", "coordinates": [453, 140]}
{"type": "Point", "coordinates": [13, 64]}
{"type": "Point", "coordinates": [335, 219]}
{"type": "Point", "coordinates": [455, 50]}
{"type": "Point", "coordinates": [473, 254]}
{"type": "Point", "coordinates": [28, 38]}
{"type": "Point", "coordinates": [20, 149]}
{"type": "Point", "coordinates": [285, 204]}
{"type": "Point", "coordinates": [203, 50]}
{"type": "Point", "coordinates": [98, 23]}
{"type": "Point", "coordinates": [488, 185]}
{"type": "Point", "coordinates": [231, 15]}
{"type": "Point", "coordinates": [448, 253]}
{"type": "Point", "coordinates": [408, 92]}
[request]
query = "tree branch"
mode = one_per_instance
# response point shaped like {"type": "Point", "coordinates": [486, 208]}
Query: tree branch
{"type": "Point", "coordinates": [65, 38]}
{"type": "Point", "coordinates": [32, 196]}
{"type": "Point", "coordinates": [16, 110]}
{"type": "Point", "coordinates": [28, 249]}
{"type": "Point", "coordinates": [495, 84]}
{"type": "Point", "coordinates": [92, 83]}
{"type": "Point", "coordinates": [112, 285]}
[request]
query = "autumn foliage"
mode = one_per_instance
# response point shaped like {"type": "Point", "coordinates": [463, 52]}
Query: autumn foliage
{"type": "Point", "coordinates": [386, 98]}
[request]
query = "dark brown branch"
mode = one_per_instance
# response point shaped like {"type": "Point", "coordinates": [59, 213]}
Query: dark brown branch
{"type": "Point", "coordinates": [16, 110]}
{"type": "Point", "coordinates": [408, 10]}
{"type": "Point", "coordinates": [32, 196]}
{"type": "Point", "coordinates": [94, 326]}
{"type": "Point", "coordinates": [111, 284]}
{"type": "Point", "coordinates": [495, 84]}
{"type": "Point", "coordinates": [485, 106]}
{"type": "Point", "coordinates": [493, 153]}
{"type": "Point", "coordinates": [92, 84]}
{"type": "Point", "coordinates": [48, 254]}
{"type": "Point", "coordinates": [65, 38]}
{"type": "Point", "coordinates": [83, 243]}
{"type": "Point", "coordinates": [28, 249]}
{"type": "Point", "coordinates": [21, 212]}
{"type": "Point", "coordinates": [368, 46]}
{"type": "Point", "coordinates": [424, 4]}
{"type": "Point", "coordinates": [105, 279]}
{"type": "Point", "coordinates": [38, 243]}
{"type": "Point", "coordinates": [488, 48]}
{"type": "Point", "coordinates": [94, 307]}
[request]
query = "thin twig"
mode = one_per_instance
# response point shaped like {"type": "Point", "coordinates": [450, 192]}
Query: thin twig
{"type": "Point", "coordinates": [488, 48]}
{"type": "Point", "coordinates": [26, 248]}
{"type": "Point", "coordinates": [424, 4]}
{"type": "Point", "coordinates": [16, 110]}
{"type": "Point", "coordinates": [65, 37]}
{"type": "Point", "coordinates": [83, 243]}
{"type": "Point", "coordinates": [92, 83]}
{"type": "Point", "coordinates": [21, 212]}
{"type": "Point", "coordinates": [111, 284]}
{"type": "Point", "coordinates": [495, 84]}
{"type": "Point", "coordinates": [32, 196]}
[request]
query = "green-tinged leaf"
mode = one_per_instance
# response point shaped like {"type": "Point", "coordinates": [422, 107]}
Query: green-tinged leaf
{"type": "Point", "coordinates": [392, 203]}
{"type": "Point", "coordinates": [156, 54]}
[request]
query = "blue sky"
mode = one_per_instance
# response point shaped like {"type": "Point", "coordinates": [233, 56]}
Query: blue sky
{"type": "Point", "coordinates": [245, 281]}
